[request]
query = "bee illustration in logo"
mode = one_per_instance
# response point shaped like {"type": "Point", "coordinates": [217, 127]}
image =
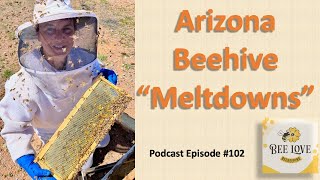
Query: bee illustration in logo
{"type": "Point", "coordinates": [292, 134]}
{"type": "Point", "coordinates": [285, 135]}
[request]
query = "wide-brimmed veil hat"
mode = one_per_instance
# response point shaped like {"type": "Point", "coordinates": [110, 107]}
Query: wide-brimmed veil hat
{"type": "Point", "coordinates": [85, 37]}
{"type": "Point", "coordinates": [81, 59]}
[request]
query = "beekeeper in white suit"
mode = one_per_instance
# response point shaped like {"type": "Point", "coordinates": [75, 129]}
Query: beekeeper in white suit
{"type": "Point", "coordinates": [58, 59]}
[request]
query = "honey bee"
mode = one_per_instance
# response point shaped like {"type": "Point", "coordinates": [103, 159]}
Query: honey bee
{"type": "Point", "coordinates": [284, 135]}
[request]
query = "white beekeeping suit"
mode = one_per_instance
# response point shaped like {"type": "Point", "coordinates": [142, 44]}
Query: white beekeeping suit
{"type": "Point", "coordinates": [39, 96]}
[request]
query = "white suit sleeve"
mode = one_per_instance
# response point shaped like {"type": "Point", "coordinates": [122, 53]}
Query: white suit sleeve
{"type": "Point", "coordinates": [17, 130]}
{"type": "Point", "coordinates": [96, 68]}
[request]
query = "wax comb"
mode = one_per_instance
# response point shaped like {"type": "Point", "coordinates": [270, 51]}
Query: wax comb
{"type": "Point", "coordinates": [83, 129]}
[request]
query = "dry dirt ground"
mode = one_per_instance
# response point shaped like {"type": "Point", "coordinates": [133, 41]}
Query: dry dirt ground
{"type": "Point", "coordinates": [115, 50]}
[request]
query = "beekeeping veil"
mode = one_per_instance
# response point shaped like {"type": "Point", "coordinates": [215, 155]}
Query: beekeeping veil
{"type": "Point", "coordinates": [59, 32]}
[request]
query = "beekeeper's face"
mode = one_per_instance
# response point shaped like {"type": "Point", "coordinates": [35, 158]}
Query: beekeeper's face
{"type": "Point", "coordinates": [56, 37]}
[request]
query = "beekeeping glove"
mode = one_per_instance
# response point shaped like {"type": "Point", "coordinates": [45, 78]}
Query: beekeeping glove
{"type": "Point", "coordinates": [33, 169]}
{"type": "Point", "coordinates": [109, 75]}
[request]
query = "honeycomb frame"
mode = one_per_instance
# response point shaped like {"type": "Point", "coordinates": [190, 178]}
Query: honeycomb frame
{"type": "Point", "coordinates": [115, 109]}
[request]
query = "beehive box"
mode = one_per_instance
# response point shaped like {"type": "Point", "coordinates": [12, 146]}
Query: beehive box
{"type": "Point", "coordinates": [83, 129]}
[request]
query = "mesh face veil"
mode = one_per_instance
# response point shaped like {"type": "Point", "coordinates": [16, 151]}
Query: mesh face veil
{"type": "Point", "coordinates": [64, 44]}
{"type": "Point", "coordinates": [59, 38]}
{"type": "Point", "coordinates": [59, 49]}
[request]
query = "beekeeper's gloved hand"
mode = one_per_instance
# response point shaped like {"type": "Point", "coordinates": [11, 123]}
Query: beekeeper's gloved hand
{"type": "Point", "coordinates": [33, 169]}
{"type": "Point", "coordinates": [109, 75]}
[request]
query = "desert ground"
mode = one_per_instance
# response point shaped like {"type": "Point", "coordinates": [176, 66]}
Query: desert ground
{"type": "Point", "coordinates": [115, 50]}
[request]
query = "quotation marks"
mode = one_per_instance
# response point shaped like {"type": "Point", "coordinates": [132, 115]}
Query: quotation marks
{"type": "Point", "coordinates": [143, 91]}
{"type": "Point", "coordinates": [307, 90]}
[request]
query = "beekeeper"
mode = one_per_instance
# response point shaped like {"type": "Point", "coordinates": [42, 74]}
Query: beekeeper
{"type": "Point", "coordinates": [58, 59]}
